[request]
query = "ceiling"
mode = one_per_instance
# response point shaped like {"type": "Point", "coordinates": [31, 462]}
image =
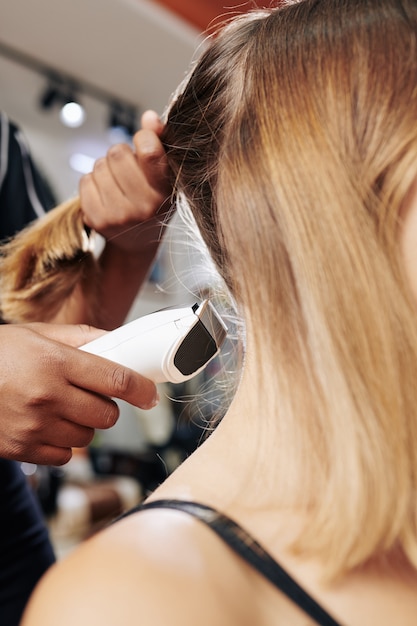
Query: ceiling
{"type": "Point", "coordinates": [203, 13]}
{"type": "Point", "coordinates": [135, 50]}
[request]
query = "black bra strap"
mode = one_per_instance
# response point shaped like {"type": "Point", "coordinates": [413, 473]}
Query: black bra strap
{"type": "Point", "coordinates": [250, 550]}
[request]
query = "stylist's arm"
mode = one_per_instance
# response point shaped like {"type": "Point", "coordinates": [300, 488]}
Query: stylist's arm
{"type": "Point", "coordinates": [53, 396]}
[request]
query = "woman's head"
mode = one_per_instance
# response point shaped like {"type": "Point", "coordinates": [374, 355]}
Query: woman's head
{"type": "Point", "coordinates": [294, 142]}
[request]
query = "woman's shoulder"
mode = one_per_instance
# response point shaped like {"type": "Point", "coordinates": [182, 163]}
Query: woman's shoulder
{"type": "Point", "coordinates": [152, 567]}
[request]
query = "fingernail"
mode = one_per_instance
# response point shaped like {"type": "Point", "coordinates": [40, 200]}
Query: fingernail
{"type": "Point", "coordinates": [153, 402]}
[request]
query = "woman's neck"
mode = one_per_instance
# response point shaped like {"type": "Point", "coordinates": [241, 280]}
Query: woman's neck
{"type": "Point", "coordinates": [240, 454]}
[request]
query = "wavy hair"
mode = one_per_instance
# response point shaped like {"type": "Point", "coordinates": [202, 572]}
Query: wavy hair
{"type": "Point", "coordinates": [43, 264]}
{"type": "Point", "coordinates": [294, 142]}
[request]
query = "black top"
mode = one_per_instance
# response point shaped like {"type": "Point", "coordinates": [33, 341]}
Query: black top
{"type": "Point", "coordinates": [248, 549]}
{"type": "Point", "coordinates": [24, 193]}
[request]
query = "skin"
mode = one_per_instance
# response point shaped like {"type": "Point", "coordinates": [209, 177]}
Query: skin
{"type": "Point", "coordinates": [52, 395]}
{"type": "Point", "coordinates": [163, 567]}
{"type": "Point", "coordinates": [125, 199]}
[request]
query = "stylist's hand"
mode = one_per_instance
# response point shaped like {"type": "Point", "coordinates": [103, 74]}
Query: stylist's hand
{"type": "Point", "coordinates": [129, 187]}
{"type": "Point", "coordinates": [53, 396]}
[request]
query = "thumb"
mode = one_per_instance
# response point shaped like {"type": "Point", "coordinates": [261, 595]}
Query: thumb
{"type": "Point", "coordinates": [71, 334]}
{"type": "Point", "coordinates": [151, 121]}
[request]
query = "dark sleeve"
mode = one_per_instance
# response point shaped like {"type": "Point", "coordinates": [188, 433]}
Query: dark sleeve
{"type": "Point", "coordinates": [24, 193]}
{"type": "Point", "coordinates": [26, 551]}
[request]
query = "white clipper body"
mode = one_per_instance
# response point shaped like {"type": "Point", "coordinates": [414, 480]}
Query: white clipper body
{"type": "Point", "coordinates": [171, 345]}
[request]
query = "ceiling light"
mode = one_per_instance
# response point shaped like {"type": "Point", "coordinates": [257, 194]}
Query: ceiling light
{"type": "Point", "coordinates": [72, 114]}
{"type": "Point", "coordinates": [81, 163]}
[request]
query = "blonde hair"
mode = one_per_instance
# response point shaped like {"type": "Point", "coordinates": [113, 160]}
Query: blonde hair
{"type": "Point", "coordinates": [44, 263]}
{"type": "Point", "coordinates": [294, 142]}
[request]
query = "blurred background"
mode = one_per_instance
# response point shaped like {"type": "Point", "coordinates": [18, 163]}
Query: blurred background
{"type": "Point", "coordinates": [76, 77]}
{"type": "Point", "coordinates": [116, 58]}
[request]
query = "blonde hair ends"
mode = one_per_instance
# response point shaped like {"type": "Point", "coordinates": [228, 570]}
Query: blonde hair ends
{"type": "Point", "coordinates": [43, 264]}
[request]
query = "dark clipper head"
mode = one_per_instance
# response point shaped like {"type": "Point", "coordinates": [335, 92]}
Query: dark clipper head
{"type": "Point", "coordinates": [202, 342]}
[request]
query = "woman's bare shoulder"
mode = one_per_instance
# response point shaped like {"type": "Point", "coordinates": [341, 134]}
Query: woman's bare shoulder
{"type": "Point", "coordinates": [153, 567]}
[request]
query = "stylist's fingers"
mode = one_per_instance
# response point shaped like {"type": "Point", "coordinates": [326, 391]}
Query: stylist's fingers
{"type": "Point", "coordinates": [141, 175]}
{"type": "Point", "coordinates": [142, 199]}
{"type": "Point", "coordinates": [95, 374]}
{"type": "Point", "coordinates": [151, 121]}
{"type": "Point", "coordinates": [51, 455]}
{"type": "Point", "coordinates": [125, 187]}
{"type": "Point", "coordinates": [86, 404]}
{"type": "Point", "coordinates": [107, 378]}
{"type": "Point", "coordinates": [151, 157]}
{"type": "Point", "coordinates": [128, 185]}
{"type": "Point", "coordinates": [103, 200]}
{"type": "Point", "coordinates": [63, 433]}
{"type": "Point", "coordinates": [68, 434]}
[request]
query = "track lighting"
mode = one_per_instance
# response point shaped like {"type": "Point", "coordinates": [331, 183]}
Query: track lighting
{"type": "Point", "coordinates": [123, 118]}
{"type": "Point", "coordinates": [61, 90]}
{"type": "Point", "coordinates": [59, 93]}
{"type": "Point", "coordinates": [49, 97]}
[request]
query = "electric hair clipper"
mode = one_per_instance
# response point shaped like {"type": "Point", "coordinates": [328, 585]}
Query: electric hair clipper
{"type": "Point", "coordinates": [171, 345]}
